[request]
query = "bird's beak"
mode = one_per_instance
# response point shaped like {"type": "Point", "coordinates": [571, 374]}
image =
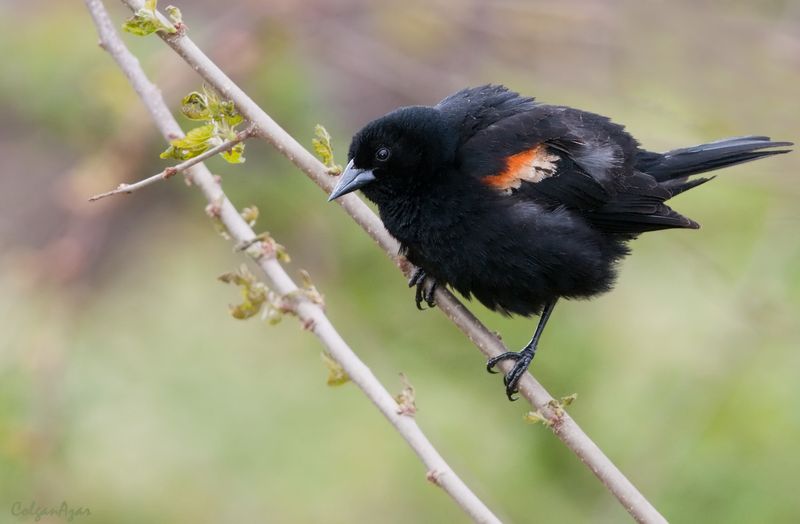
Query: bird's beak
{"type": "Point", "coordinates": [351, 179]}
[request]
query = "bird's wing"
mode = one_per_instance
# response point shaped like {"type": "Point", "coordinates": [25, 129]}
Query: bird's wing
{"type": "Point", "coordinates": [566, 158]}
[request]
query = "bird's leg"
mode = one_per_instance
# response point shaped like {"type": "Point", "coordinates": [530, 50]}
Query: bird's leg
{"type": "Point", "coordinates": [419, 279]}
{"type": "Point", "coordinates": [522, 358]}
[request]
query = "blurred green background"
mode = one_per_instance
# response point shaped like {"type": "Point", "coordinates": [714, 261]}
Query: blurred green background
{"type": "Point", "coordinates": [127, 388]}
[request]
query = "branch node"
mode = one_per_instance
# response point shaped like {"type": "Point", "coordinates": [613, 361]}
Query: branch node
{"type": "Point", "coordinates": [180, 30]}
{"type": "Point", "coordinates": [214, 210]}
{"type": "Point", "coordinates": [433, 477]}
{"type": "Point", "coordinates": [555, 419]}
{"type": "Point", "coordinates": [246, 244]}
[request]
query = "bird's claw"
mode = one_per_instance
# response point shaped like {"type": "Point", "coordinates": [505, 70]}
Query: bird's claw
{"type": "Point", "coordinates": [417, 277]}
{"type": "Point", "coordinates": [426, 287]}
{"type": "Point", "coordinates": [522, 362]}
{"type": "Point", "coordinates": [492, 362]}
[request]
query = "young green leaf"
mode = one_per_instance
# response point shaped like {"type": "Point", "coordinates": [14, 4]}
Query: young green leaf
{"type": "Point", "coordinates": [195, 142]}
{"type": "Point", "coordinates": [336, 373]}
{"type": "Point", "coordinates": [140, 25]}
{"type": "Point", "coordinates": [194, 106]}
{"type": "Point", "coordinates": [536, 417]}
{"type": "Point", "coordinates": [324, 150]}
{"type": "Point", "coordinates": [235, 155]}
{"type": "Point", "coordinates": [221, 119]}
{"type": "Point", "coordinates": [146, 21]}
{"type": "Point", "coordinates": [406, 399]}
{"type": "Point", "coordinates": [569, 399]}
{"type": "Point", "coordinates": [228, 113]}
{"type": "Point", "coordinates": [174, 14]}
{"type": "Point", "coordinates": [254, 293]}
{"type": "Point", "coordinates": [308, 288]}
{"type": "Point", "coordinates": [250, 215]}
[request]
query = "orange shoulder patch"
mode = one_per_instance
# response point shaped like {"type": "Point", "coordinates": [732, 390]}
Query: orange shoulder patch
{"type": "Point", "coordinates": [532, 165]}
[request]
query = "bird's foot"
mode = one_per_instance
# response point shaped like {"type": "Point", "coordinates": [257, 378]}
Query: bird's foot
{"type": "Point", "coordinates": [523, 361]}
{"type": "Point", "coordinates": [426, 287]}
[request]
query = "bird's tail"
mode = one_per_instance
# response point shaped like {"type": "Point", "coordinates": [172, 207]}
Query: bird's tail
{"type": "Point", "coordinates": [674, 167]}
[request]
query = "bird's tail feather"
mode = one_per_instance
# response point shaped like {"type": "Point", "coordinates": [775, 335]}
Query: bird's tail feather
{"type": "Point", "coordinates": [673, 167]}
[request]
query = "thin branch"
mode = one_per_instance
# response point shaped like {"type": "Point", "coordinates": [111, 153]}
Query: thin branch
{"type": "Point", "coordinates": [564, 427]}
{"type": "Point", "coordinates": [310, 314]}
{"type": "Point", "coordinates": [179, 168]}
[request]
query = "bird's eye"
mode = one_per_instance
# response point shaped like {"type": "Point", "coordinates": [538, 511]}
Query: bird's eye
{"type": "Point", "coordinates": [382, 154]}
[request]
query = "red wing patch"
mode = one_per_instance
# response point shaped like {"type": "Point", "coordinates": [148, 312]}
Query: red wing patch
{"type": "Point", "coordinates": [532, 165]}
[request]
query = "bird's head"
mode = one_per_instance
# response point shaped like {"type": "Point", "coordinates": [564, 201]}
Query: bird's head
{"type": "Point", "coordinates": [397, 153]}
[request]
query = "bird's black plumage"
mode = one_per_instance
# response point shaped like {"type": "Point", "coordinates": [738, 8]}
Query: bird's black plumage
{"type": "Point", "coordinates": [520, 203]}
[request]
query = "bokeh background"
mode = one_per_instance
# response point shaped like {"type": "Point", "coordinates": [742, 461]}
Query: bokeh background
{"type": "Point", "coordinates": [127, 388]}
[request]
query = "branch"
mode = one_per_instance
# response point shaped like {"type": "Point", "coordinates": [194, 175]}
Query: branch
{"type": "Point", "coordinates": [564, 427]}
{"type": "Point", "coordinates": [310, 314]}
{"type": "Point", "coordinates": [179, 168]}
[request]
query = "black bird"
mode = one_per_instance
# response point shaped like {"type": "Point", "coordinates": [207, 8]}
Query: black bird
{"type": "Point", "coordinates": [521, 203]}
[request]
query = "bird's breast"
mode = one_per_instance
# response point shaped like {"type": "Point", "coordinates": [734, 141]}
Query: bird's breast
{"type": "Point", "coordinates": [431, 232]}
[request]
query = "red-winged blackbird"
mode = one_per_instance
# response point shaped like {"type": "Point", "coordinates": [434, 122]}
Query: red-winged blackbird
{"type": "Point", "coordinates": [521, 203]}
